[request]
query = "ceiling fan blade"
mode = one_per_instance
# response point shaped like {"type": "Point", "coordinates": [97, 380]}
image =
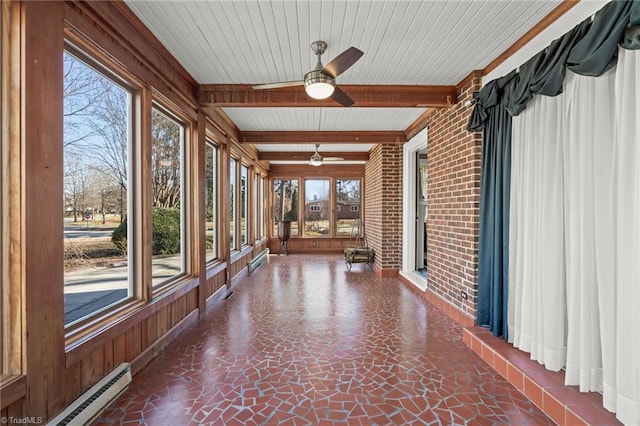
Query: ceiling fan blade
{"type": "Point", "coordinates": [343, 61]}
{"type": "Point", "coordinates": [341, 97]}
{"type": "Point", "coordinates": [278, 85]}
{"type": "Point", "coordinates": [332, 158]}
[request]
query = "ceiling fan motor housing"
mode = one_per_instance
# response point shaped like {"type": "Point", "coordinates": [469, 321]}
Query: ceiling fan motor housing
{"type": "Point", "coordinates": [318, 47]}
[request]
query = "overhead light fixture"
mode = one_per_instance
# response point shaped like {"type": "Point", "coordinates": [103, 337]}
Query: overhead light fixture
{"type": "Point", "coordinates": [315, 160]}
{"type": "Point", "coordinates": [319, 85]}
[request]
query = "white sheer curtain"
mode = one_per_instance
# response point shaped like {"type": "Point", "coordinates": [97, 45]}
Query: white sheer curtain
{"type": "Point", "coordinates": [588, 186]}
{"type": "Point", "coordinates": [537, 304]}
{"type": "Point", "coordinates": [622, 394]}
{"type": "Point", "coordinates": [575, 234]}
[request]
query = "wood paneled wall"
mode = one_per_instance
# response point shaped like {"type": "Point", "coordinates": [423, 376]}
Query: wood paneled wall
{"type": "Point", "coordinates": [310, 245]}
{"type": "Point", "coordinates": [56, 369]}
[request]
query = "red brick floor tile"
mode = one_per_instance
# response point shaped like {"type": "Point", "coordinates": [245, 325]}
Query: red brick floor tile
{"type": "Point", "coordinates": [303, 342]}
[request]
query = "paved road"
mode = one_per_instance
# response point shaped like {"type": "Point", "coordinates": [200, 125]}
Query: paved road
{"type": "Point", "coordinates": [88, 290]}
{"type": "Point", "coordinates": [72, 232]}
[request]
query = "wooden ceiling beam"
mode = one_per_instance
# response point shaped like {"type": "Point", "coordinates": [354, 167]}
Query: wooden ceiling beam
{"type": "Point", "coordinates": [382, 96]}
{"type": "Point", "coordinates": [323, 137]}
{"type": "Point", "coordinates": [304, 156]}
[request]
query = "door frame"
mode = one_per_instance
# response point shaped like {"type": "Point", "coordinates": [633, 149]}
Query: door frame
{"type": "Point", "coordinates": [410, 208]}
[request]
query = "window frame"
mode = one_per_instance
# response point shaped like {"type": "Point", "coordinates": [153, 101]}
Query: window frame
{"type": "Point", "coordinates": [243, 203]}
{"type": "Point", "coordinates": [334, 208]}
{"type": "Point", "coordinates": [10, 285]}
{"type": "Point", "coordinates": [272, 200]}
{"type": "Point", "coordinates": [233, 245]}
{"type": "Point", "coordinates": [357, 208]}
{"type": "Point", "coordinates": [88, 53]}
{"type": "Point", "coordinates": [187, 129]}
{"type": "Point", "coordinates": [260, 207]}
{"type": "Point", "coordinates": [210, 143]}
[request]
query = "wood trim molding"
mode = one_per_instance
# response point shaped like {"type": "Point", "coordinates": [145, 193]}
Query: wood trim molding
{"type": "Point", "coordinates": [468, 79]}
{"type": "Point", "coordinates": [420, 123]}
{"type": "Point", "coordinates": [117, 19]}
{"type": "Point", "coordinates": [553, 16]}
{"type": "Point", "coordinates": [11, 252]}
{"type": "Point", "coordinates": [108, 25]}
{"type": "Point", "coordinates": [220, 120]}
{"type": "Point", "coordinates": [304, 156]}
{"type": "Point", "coordinates": [326, 170]}
{"type": "Point", "coordinates": [42, 262]}
{"type": "Point", "coordinates": [324, 137]}
{"type": "Point", "coordinates": [386, 96]}
{"type": "Point", "coordinates": [12, 389]}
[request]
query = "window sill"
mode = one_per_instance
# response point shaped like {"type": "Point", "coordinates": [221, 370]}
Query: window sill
{"type": "Point", "coordinates": [239, 254]}
{"type": "Point", "coordinates": [13, 388]}
{"type": "Point", "coordinates": [214, 268]}
{"type": "Point", "coordinates": [81, 342]}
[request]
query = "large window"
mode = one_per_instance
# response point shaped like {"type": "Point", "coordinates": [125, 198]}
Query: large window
{"type": "Point", "coordinates": [317, 212]}
{"type": "Point", "coordinates": [244, 205]}
{"type": "Point", "coordinates": [233, 164]}
{"type": "Point", "coordinates": [167, 144]}
{"type": "Point", "coordinates": [210, 204]}
{"type": "Point", "coordinates": [260, 208]}
{"type": "Point", "coordinates": [332, 206]}
{"type": "Point", "coordinates": [347, 205]}
{"type": "Point", "coordinates": [285, 204]}
{"type": "Point", "coordinates": [97, 128]}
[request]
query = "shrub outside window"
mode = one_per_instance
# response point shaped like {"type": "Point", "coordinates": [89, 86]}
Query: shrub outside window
{"type": "Point", "coordinates": [211, 197]}
{"type": "Point", "coordinates": [259, 207]}
{"type": "Point", "coordinates": [232, 203]}
{"type": "Point", "coordinates": [244, 205]}
{"type": "Point", "coordinates": [167, 144]}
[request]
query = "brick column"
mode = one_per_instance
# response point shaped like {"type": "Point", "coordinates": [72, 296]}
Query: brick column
{"type": "Point", "coordinates": [383, 207]}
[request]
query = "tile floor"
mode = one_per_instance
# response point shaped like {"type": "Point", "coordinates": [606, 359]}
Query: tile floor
{"type": "Point", "coordinates": [302, 341]}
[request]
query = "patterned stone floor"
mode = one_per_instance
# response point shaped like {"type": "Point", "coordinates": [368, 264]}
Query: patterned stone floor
{"type": "Point", "coordinates": [305, 342]}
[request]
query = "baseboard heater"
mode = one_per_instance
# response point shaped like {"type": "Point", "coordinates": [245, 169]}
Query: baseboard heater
{"type": "Point", "coordinates": [257, 261]}
{"type": "Point", "coordinates": [93, 402]}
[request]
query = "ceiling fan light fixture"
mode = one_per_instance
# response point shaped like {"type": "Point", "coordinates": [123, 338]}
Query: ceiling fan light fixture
{"type": "Point", "coordinates": [316, 158]}
{"type": "Point", "coordinates": [318, 85]}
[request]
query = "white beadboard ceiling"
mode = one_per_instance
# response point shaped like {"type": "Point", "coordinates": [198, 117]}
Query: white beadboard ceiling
{"type": "Point", "coordinates": [331, 119]}
{"type": "Point", "coordinates": [404, 42]}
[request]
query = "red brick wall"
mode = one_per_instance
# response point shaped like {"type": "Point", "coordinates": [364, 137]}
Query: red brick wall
{"type": "Point", "coordinates": [453, 198]}
{"type": "Point", "coordinates": [383, 206]}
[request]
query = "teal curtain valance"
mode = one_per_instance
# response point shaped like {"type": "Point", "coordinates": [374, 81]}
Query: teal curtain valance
{"type": "Point", "coordinates": [590, 48]}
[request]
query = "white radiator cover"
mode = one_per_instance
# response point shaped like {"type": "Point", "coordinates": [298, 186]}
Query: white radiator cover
{"type": "Point", "coordinates": [93, 402]}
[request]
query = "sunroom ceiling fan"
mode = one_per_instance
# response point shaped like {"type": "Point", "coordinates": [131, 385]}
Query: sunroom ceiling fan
{"type": "Point", "coordinates": [320, 83]}
{"type": "Point", "coordinates": [317, 159]}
